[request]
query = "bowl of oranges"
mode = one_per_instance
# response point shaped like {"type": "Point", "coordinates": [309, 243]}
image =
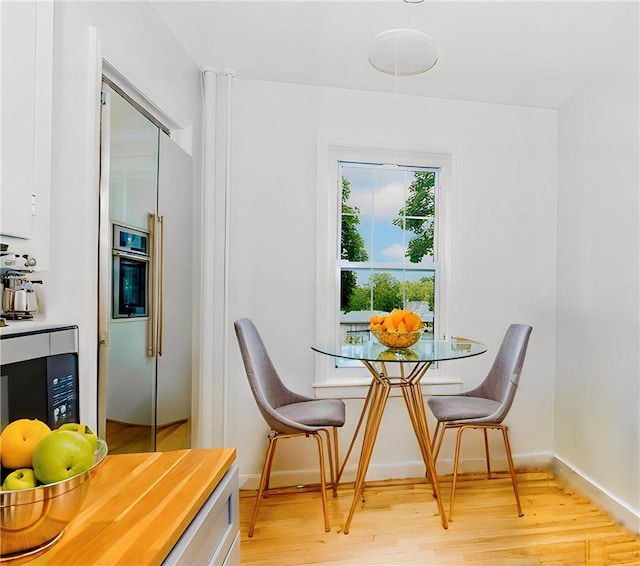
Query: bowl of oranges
{"type": "Point", "coordinates": [45, 479]}
{"type": "Point", "coordinates": [399, 329]}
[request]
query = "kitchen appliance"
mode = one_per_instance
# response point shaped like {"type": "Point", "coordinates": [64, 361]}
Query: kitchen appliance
{"type": "Point", "coordinates": [19, 299]}
{"type": "Point", "coordinates": [145, 315]}
{"type": "Point", "coordinates": [131, 260]}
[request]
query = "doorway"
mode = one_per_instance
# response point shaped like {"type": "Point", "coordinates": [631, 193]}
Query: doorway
{"type": "Point", "coordinates": [145, 264]}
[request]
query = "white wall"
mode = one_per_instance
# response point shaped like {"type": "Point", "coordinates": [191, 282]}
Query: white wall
{"type": "Point", "coordinates": [136, 41]}
{"type": "Point", "coordinates": [507, 218]}
{"type": "Point", "coordinates": [597, 416]}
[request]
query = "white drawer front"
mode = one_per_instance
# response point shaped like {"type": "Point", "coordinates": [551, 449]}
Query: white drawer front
{"type": "Point", "coordinates": [213, 531]}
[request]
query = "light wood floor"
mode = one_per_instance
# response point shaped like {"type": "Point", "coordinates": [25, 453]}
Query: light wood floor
{"type": "Point", "coordinates": [399, 525]}
{"type": "Point", "coordinates": [126, 439]}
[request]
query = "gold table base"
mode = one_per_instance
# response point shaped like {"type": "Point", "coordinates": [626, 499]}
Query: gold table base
{"type": "Point", "coordinates": [372, 411]}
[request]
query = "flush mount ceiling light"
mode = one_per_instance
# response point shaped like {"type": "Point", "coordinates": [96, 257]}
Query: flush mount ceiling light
{"type": "Point", "coordinates": [402, 52]}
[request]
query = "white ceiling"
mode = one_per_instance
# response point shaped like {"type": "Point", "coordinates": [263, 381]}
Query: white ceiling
{"type": "Point", "coordinates": [509, 52]}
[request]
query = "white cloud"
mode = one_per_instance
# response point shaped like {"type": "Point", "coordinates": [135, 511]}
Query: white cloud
{"type": "Point", "coordinates": [395, 252]}
{"type": "Point", "coordinates": [389, 200]}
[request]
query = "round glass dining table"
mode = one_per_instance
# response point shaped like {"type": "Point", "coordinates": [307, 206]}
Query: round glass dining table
{"type": "Point", "coordinates": [404, 369]}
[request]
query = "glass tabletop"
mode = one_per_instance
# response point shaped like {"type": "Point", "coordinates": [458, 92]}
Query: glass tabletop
{"type": "Point", "coordinates": [425, 350]}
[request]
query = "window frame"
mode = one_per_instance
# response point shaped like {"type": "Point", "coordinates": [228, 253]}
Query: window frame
{"type": "Point", "coordinates": [332, 149]}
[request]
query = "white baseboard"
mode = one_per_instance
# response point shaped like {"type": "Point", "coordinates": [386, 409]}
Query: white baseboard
{"type": "Point", "coordinates": [620, 512]}
{"type": "Point", "coordinates": [396, 470]}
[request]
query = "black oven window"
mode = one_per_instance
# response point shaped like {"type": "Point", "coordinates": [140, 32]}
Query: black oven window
{"type": "Point", "coordinates": [130, 288]}
{"type": "Point", "coordinates": [133, 242]}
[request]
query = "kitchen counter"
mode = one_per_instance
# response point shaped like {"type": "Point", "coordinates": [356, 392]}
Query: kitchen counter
{"type": "Point", "coordinates": [140, 506]}
{"type": "Point", "coordinates": [38, 323]}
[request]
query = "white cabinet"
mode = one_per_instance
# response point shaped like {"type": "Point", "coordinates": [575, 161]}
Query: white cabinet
{"type": "Point", "coordinates": [26, 64]}
{"type": "Point", "coordinates": [213, 537]}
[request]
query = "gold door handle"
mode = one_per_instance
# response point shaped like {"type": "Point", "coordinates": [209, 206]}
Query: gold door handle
{"type": "Point", "coordinates": [151, 340]}
{"type": "Point", "coordinates": [161, 287]}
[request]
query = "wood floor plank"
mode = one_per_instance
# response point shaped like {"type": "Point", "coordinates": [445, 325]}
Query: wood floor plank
{"type": "Point", "coordinates": [398, 524]}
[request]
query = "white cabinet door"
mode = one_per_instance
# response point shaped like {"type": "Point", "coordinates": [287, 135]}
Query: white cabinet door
{"type": "Point", "coordinates": [26, 45]}
{"type": "Point", "coordinates": [17, 116]}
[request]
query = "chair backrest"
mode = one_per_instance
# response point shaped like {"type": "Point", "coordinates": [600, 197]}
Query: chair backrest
{"type": "Point", "coordinates": [268, 389]}
{"type": "Point", "coordinates": [503, 377]}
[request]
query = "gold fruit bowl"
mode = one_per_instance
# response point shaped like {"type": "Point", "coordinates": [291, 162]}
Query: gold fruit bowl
{"type": "Point", "coordinates": [31, 520]}
{"type": "Point", "coordinates": [398, 340]}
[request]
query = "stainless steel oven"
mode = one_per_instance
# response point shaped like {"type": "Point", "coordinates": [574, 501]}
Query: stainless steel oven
{"type": "Point", "coordinates": [131, 260]}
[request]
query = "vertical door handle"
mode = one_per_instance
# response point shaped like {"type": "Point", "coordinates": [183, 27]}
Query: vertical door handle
{"type": "Point", "coordinates": [161, 287]}
{"type": "Point", "coordinates": [151, 328]}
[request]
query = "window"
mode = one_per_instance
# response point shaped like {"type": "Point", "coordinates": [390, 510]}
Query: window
{"type": "Point", "coordinates": [384, 241]}
{"type": "Point", "coordinates": [387, 235]}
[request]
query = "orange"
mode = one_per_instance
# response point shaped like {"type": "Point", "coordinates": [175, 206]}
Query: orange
{"type": "Point", "coordinates": [412, 321]}
{"type": "Point", "coordinates": [388, 324]}
{"type": "Point", "coordinates": [19, 439]}
{"type": "Point", "coordinates": [398, 315]}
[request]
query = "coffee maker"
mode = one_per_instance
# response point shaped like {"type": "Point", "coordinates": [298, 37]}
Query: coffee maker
{"type": "Point", "coordinates": [19, 299]}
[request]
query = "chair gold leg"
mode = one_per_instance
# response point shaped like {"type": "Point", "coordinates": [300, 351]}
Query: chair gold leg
{"type": "Point", "coordinates": [333, 458]}
{"type": "Point", "coordinates": [323, 486]}
{"type": "Point", "coordinates": [512, 469]}
{"type": "Point", "coordinates": [336, 460]}
{"type": "Point", "coordinates": [271, 437]}
{"type": "Point", "coordinates": [486, 452]}
{"type": "Point", "coordinates": [455, 470]}
{"type": "Point", "coordinates": [264, 480]}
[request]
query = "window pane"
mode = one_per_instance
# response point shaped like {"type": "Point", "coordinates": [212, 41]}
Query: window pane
{"type": "Point", "coordinates": [388, 191]}
{"type": "Point", "coordinates": [387, 289]}
{"type": "Point", "coordinates": [355, 292]}
{"type": "Point", "coordinates": [357, 183]}
{"type": "Point", "coordinates": [388, 243]}
{"type": "Point", "coordinates": [355, 238]}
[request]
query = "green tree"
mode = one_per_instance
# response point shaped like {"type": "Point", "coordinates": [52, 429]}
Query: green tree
{"type": "Point", "coordinates": [351, 246]}
{"type": "Point", "coordinates": [360, 299]}
{"type": "Point", "coordinates": [421, 290]}
{"type": "Point", "coordinates": [420, 203]}
{"type": "Point", "coordinates": [387, 294]}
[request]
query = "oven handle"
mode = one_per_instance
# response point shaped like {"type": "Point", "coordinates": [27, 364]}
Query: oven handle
{"type": "Point", "coordinates": [126, 255]}
{"type": "Point", "coordinates": [152, 323]}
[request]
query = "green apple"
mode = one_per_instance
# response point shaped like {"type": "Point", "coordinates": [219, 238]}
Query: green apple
{"type": "Point", "coordinates": [82, 429]}
{"type": "Point", "coordinates": [24, 478]}
{"type": "Point", "coordinates": [62, 455]}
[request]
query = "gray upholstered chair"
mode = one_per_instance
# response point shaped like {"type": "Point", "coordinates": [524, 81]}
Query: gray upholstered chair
{"type": "Point", "coordinates": [288, 414]}
{"type": "Point", "coordinates": [485, 406]}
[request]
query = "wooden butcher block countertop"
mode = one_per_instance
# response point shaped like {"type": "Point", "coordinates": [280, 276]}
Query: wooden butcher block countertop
{"type": "Point", "coordinates": [138, 506]}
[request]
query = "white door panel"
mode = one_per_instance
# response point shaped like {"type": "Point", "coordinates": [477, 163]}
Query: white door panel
{"type": "Point", "coordinates": [175, 209]}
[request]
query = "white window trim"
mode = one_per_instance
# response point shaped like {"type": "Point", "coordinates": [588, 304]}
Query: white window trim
{"type": "Point", "coordinates": [331, 147]}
